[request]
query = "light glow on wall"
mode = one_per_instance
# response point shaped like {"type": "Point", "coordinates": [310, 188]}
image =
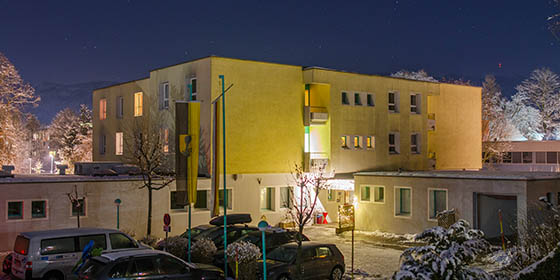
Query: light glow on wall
{"type": "Point", "coordinates": [307, 139]}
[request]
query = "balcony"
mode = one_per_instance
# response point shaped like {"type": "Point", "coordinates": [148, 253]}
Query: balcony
{"type": "Point", "coordinates": [315, 115]}
{"type": "Point", "coordinates": [431, 122]}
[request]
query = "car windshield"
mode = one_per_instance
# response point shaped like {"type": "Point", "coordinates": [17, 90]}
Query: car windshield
{"type": "Point", "coordinates": [283, 254]}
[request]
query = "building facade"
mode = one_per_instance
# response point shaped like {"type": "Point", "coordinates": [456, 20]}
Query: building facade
{"type": "Point", "coordinates": [280, 115]}
{"type": "Point", "coordinates": [540, 156]}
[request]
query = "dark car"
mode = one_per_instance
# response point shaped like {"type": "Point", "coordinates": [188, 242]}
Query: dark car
{"type": "Point", "coordinates": [7, 263]}
{"type": "Point", "coordinates": [273, 238]}
{"type": "Point", "coordinates": [216, 234]}
{"type": "Point", "coordinates": [145, 264]}
{"type": "Point", "coordinates": [319, 261]}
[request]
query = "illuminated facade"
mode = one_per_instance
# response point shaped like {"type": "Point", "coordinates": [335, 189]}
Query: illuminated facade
{"type": "Point", "coordinates": [279, 115]}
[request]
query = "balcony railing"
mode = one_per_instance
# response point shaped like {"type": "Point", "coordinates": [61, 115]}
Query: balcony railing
{"type": "Point", "coordinates": [315, 115]}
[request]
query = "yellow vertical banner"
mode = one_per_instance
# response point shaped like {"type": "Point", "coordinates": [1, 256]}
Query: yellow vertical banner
{"type": "Point", "coordinates": [215, 159]}
{"type": "Point", "coordinates": [192, 165]}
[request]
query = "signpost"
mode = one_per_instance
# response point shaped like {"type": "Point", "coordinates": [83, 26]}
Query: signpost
{"type": "Point", "coordinates": [118, 203]}
{"type": "Point", "coordinates": [263, 225]}
{"type": "Point", "coordinates": [346, 222]}
{"type": "Point", "coordinates": [166, 227]}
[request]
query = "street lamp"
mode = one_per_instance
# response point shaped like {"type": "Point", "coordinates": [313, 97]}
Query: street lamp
{"type": "Point", "coordinates": [118, 204]}
{"type": "Point", "coordinates": [263, 225]}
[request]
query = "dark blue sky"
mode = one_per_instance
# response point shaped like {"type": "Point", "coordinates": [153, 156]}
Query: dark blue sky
{"type": "Point", "coordinates": [80, 41]}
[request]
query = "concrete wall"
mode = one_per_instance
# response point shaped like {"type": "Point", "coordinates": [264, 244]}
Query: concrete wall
{"type": "Point", "coordinates": [373, 216]}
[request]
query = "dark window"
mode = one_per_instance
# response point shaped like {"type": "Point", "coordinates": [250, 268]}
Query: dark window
{"type": "Point", "coordinates": [413, 107]}
{"type": "Point", "coordinates": [527, 157]}
{"type": "Point", "coordinates": [58, 246]}
{"type": "Point", "coordinates": [201, 200]}
{"type": "Point", "coordinates": [173, 203]}
{"type": "Point", "coordinates": [15, 210]}
{"type": "Point", "coordinates": [79, 208]}
{"type": "Point", "coordinates": [551, 157]}
{"type": "Point", "coordinates": [99, 241]}
{"type": "Point", "coordinates": [438, 202]}
{"type": "Point", "coordinates": [414, 144]}
{"type": "Point", "coordinates": [143, 267]}
{"type": "Point", "coordinates": [357, 99]}
{"type": "Point", "coordinates": [393, 102]}
{"type": "Point", "coordinates": [540, 157]}
{"type": "Point", "coordinates": [193, 89]}
{"type": "Point", "coordinates": [121, 241]}
{"type": "Point", "coordinates": [221, 198]}
{"type": "Point", "coordinates": [370, 101]}
{"type": "Point", "coordinates": [345, 98]}
{"type": "Point", "coordinates": [102, 144]}
{"type": "Point", "coordinates": [120, 107]}
{"type": "Point", "coordinates": [506, 157]}
{"type": "Point", "coordinates": [169, 266]}
{"type": "Point", "coordinates": [516, 157]}
{"type": "Point", "coordinates": [38, 209]}
{"type": "Point", "coordinates": [119, 270]}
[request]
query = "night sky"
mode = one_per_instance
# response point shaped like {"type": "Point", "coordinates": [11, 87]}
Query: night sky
{"type": "Point", "coordinates": [82, 41]}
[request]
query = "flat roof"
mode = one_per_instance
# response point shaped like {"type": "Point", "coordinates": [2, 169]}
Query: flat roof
{"type": "Point", "coordinates": [52, 178]}
{"type": "Point", "coordinates": [476, 175]}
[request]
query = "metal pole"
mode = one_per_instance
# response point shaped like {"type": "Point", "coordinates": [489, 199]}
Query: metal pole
{"type": "Point", "coordinates": [502, 229]}
{"type": "Point", "coordinates": [264, 255]}
{"type": "Point", "coordinates": [224, 162]}
{"type": "Point", "coordinates": [352, 267]}
{"type": "Point", "coordinates": [189, 234]}
{"type": "Point", "coordinates": [118, 206]}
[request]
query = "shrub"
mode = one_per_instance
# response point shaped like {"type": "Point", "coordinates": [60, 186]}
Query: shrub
{"type": "Point", "coordinates": [247, 255]}
{"type": "Point", "coordinates": [446, 255]}
{"type": "Point", "coordinates": [149, 240]}
{"type": "Point", "coordinates": [176, 246]}
{"type": "Point", "coordinates": [545, 269]}
{"type": "Point", "coordinates": [203, 250]}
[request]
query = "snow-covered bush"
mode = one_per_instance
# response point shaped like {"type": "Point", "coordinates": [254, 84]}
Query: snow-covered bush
{"type": "Point", "coordinates": [419, 75]}
{"type": "Point", "coordinates": [446, 255]}
{"type": "Point", "coordinates": [246, 254]}
{"type": "Point", "coordinates": [203, 250]}
{"type": "Point", "coordinates": [175, 245]}
{"type": "Point", "coordinates": [545, 269]}
{"type": "Point", "coordinates": [149, 240]}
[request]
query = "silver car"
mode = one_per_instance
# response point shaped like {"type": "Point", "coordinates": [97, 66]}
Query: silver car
{"type": "Point", "coordinates": [51, 254]}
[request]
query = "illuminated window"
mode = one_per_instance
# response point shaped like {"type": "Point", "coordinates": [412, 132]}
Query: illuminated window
{"type": "Point", "coordinates": [102, 109]}
{"type": "Point", "coordinates": [138, 103]}
{"type": "Point", "coordinates": [357, 99]}
{"type": "Point", "coordinates": [345, 100]}
{"type": "Point", "coordinates": [437, 200]}
{"type": "Point", "coordinates": [165, 139]}
{"type": "Point", "coordinates": [120, 107]}
{"type": "Point", "coordinates": [393, 102]}
{"type": "Point", "coordinates": [164, 96]}
{"type": "Point", "coordinates": [307, 97]}
{"type": "Point", "coordinates": [394, 143]}
{"type": "Point", "coordinates": [415, 103]}
{"type": "Point", "coordinates": [415, 143]}
{"type": "Point", "coordinates": [370, 100]}
{"type": "Point", "coordinates": [357, 142]}
{"type": "Point", "coordinates": [331, 195]}
{"type": "Point", "coordinates": [344, 142]}
{"type": "Point", "coordinates": [370, 142]}
{"type": "Point", "coordinates": [118, 143]}
{"type": "Point", "coordinates": [267, 199]}
{"type": "Point", "coordinates": [403, 201]}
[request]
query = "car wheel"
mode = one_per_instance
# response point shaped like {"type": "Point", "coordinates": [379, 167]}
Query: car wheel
{"type": "Point", "coordinates": [336, 273]}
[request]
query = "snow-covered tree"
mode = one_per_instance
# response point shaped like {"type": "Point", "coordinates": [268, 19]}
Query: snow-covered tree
{"type": "Point", "coordinates": [525, 119]}
{"type": "Point", "coordinates": [14, 95]}
{"type": "Point", "coordinates": [419, 75]}
{"type": "Point", "coordinates": [495, 125]}
{"type": "Point", "coordinates": [71, 135]}
{"type": "Point", "coordinates": [541, 91]}
{"type": "Point", "coordinates": [446, 255]}
{"type": "Point", "coordinates": [554, 20]}
{"type": "Point", "coordinates": [38, 167]}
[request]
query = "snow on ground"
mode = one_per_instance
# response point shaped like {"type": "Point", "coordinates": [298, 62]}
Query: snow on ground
{"type": "Point", "coordinates": [375, 257]}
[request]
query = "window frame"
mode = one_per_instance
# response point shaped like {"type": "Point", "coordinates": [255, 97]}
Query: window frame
{"type": "Point", "coordinates": [362, 188]}
{"type": "Point", "coordinates": [22, 216]}
{"type": "Point", "coordinates": [290, 197]}
{"type": "Point", "coordinates": [345, 146]}
{"type": "Point", "coordinates": [358, 99]}
{"type": "Point", "coordinates": [102, 108]}
{"type": "Point", "coordinates": [138, 104]}
{"type": "Point", "coordinates": [84, 207]}
{"type": "Point", "coordinates": [417, 145]}
{"type": "Point", "coordinates": [207, 208]}
{"type": "Point", "coordinates": [370, 97]}
{"type": "Point", "coordinates": [417, 107]}
{"type": "Point", "coordinates": [395, 145]}
{"type": "Point", "coordinates": [395, 103]}
{"type": "Point", "coordinates": [119, 107]}
{"type": "Point", "coordinates": [164, 96]}
{"type": "Point", "coordinates": [344, 98]}
{"type": "Point", "coordinates": [375, 187]}
{"type": "Point", "coordinates": [446, 202]}
{"type": "Point", "coordinates": [230, 199]}
{"type": "Point", "coordinates": [398, 214]}
{"type": "Point", "coordinates": [359, 145]}
{"type": "Point", "coordinates": [46, 209]}
{"type": "Point", "coordinates": [119, 145]}
{"type": "Point", "coordinates": [194, 89]}
{"type": "Point", "coordinates": [270, 197]}
{"type": "Point", "coordinates": [370, 142]}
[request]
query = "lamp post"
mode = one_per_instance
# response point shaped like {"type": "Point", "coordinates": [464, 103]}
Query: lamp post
{"type": "Point", "coordinates": [263, 225]}
{"type": "Point", "coordinates": [51, 154]}
{"type": "Point", "coordinates": [118, 204]}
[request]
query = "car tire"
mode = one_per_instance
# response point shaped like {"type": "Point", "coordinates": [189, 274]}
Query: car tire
{"type": "Point", "coordinates": [283, 277]}
{"type": "Point", "coordinates": [336, 273]}
{"type": "Point", "coordinates": [53, 275]}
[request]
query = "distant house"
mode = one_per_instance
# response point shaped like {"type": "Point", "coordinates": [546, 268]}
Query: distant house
{"type": "Point", "coordinates": [540, 156]}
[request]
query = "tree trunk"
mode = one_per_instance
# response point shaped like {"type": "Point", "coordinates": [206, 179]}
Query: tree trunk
{"type": "Point", "coordinates": [149, 209]}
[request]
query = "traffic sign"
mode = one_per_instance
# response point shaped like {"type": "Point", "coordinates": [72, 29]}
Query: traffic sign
{"type": "Point", "coordinates": [166, 219]}
{"type": "Point", "coordinates": [166, 228]}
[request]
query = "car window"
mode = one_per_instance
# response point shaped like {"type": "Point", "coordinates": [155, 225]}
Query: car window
{"type": "Point", "coordinates": [121, 241]}
{"type": "Point", "coordinates": [323, 252]}
{"type": "Point", "coordinates": [99, 241]}
{"type": "Point", "coordinates": [308, 254]}
{"type": "Point", "coordinates": [58, 246]}
{"type": "Point", "coordinates": [170, 265]}
{"type": "Point", "coordinates": [142, 267]}
{"type": "Point", "coordinates": [119, 270]}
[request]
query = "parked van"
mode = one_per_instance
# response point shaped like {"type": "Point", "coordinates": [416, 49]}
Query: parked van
{"type": "Point", "coordinates": [51, 254]}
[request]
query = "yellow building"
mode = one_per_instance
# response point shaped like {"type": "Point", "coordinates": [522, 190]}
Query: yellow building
{"type": "Point", "coordinates": [280, 115]}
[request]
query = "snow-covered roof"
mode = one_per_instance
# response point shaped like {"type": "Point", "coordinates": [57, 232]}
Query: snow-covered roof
{"type": "Point", "coordinates": [50, 178]}
{"type": "Point", "coordinates": [479, 175]}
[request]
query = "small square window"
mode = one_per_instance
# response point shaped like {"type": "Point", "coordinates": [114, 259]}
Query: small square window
{"type": "Point", "coordinates": [438, 202]}
{"type": "Point", "coordinates": [357, 99]}
{"type": "Point", "coordinates": [201, 199]}
{"type": "Point", "coordinates": [357, 142]}
{"type": "Point", "coordinates": [286, 197]}
{"type": "Point", "coordinates": [370, 101]}
{"type": "Point", "coordinates": [527, 157]}
{"type": "Point", "coordinates": [345, 100]}
{"type": "Point", "coordinates": [506, 157]}
{"type": "Point", "coordinates": [393, 102]}
{"type": "Point", "coordinates": [403, 201]}
{"type": "Point", "coordinates": [344, 142]}
{"type": "Point", "coordinates": [379, 194]}
{"type": "Point", "coordinates": [415, 103]}
{"type": "Point", "coordinates": [15, 210]}
{"type": "Point", "coordinates": [415, 143]}
{"type": "Point", "coordinates": [394, 143]}
{"type": "Point", "coordinates": [370, 142]}
{"type": "Point", "coordinates": [365, 194]}
{"type": "Point", "coordinates": [79, 207]}
{"type": "Point", "coordinates": [540, 157]}
{"type": "Point", "coordinates": [38, 209]}
{"type": "Point", "coordinates": [551, 157]}
{"type": "Point", "coordinates": [173, 204]}
{"type": "Point", "coordinates": [516, 157]}
{"type": "Point", "coordinates": [229, 198]}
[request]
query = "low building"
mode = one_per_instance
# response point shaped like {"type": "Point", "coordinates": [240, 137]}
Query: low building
{"type": "Point", "coordinates": [407, 202]}
{"type": "Point", "coordinates": [525, 156]}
